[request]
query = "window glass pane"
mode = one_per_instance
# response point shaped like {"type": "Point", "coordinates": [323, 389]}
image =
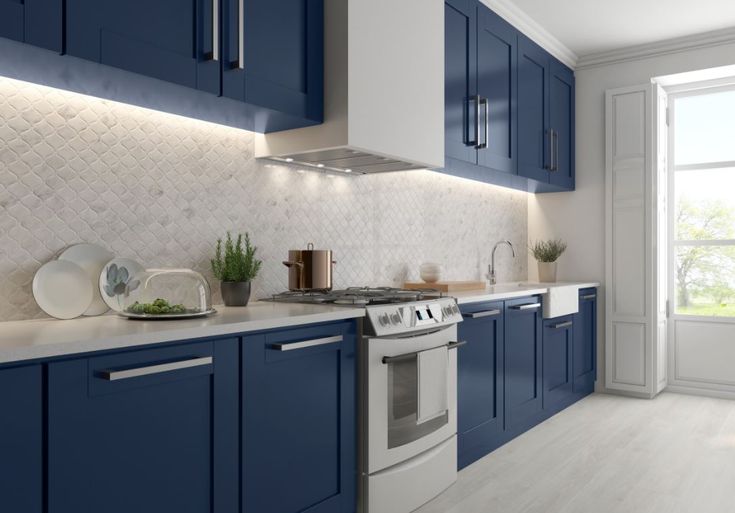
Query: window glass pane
{"type": "Point", "coordinates": [705, 204]}
{"type": "Point", "coordinates": [705, 128]}
{"type": "Point", "coordinates": [705, 280]}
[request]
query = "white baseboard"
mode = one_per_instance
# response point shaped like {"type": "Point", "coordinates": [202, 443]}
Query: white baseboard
{"type": "Point", "coordinates": [705, 392]}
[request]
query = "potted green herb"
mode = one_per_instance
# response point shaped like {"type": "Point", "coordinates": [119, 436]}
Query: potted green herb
{"type": "Point", "coordinates": [547, 253]}
{"type": "Point", "coordinates": [235, 267]}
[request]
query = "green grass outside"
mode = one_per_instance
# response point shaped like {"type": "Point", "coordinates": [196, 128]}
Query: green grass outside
{"type": "Point", "coordinates": [707, 310]}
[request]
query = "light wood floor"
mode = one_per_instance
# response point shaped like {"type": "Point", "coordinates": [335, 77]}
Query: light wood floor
{"type": "Point", "coordinates": [609, 454]}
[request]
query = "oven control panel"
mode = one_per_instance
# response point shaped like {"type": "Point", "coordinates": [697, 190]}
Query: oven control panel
{"type": "Point", "coordinates": [395, 319]}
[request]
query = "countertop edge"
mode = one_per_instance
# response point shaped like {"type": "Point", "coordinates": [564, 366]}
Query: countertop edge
{"type": "Point", "coordinates": [481, 296]}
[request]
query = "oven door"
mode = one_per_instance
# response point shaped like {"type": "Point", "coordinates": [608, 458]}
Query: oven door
{"type": "Point", "coordinates": [393, 433]}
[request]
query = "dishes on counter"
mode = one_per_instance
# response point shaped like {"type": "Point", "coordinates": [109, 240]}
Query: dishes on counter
{"type": "Point", "coordinates": [430, 272]}
{"type": "Point", "coordinates": [117, 280]}
{"type": "Point", "coordinates": [62, 289]}
{"type": "Point", "coordinates": [91, 259]}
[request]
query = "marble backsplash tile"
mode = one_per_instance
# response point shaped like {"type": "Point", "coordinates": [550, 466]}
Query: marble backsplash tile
{"type": "Point", "coordinates": [161, 189]}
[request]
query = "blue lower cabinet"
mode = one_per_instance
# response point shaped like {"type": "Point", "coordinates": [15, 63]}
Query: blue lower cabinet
{"type": "Point", "coordinates": [480, 381]}
{"type": "Point", "coordinates": [36, 22]}
{"type": "Point", "coordinates": [21, 440]}
{"type": "Point", "coordinates": [523, 363]}
{"type": "Point", "coordinates": [584, 364]}
{"type": "Point", "coordinates": [298, 425]}
{"type": "Point", "coordinates": [557, 366]}
{"type": "Point", "coordinates": [145, 431]}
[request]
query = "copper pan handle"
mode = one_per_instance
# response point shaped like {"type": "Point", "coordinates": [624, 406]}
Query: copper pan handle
{"type": "Point", "coordinates": [287, 263]}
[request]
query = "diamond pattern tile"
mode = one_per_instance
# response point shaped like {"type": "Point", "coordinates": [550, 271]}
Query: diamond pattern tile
{"type": "Point", "coordinates": [161, 188]}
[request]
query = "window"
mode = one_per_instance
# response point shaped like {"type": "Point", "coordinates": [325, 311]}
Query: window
{"type": "Point", "coordinates": [703, 217]}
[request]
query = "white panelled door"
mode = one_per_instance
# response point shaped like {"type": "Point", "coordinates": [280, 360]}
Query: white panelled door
{"type": "Point", "coordinates": [635, 310]}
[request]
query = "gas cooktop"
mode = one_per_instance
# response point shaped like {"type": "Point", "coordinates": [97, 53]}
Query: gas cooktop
{"type": "Point", "coordinates": [358, 296]}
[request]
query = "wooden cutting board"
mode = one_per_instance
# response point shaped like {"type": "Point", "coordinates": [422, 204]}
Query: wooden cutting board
{"type": "Point", "coordinates": [446, 286]}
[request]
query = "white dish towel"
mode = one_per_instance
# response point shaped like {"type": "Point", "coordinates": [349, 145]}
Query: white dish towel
{"type": "Point", "coordinates": [432, 367]}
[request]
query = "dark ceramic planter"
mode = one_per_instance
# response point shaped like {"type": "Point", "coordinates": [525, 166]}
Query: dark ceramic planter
{"type": "Point", "coordinates": [235, 293]}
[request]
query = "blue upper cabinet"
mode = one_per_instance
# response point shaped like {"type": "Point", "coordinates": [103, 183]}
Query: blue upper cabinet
{"type": "Point", "coordinates": [172, 40]}
{"type": "Point", "coordinates": [584, 362]}
{"type": "Point", "coordinates": [21, 440]}
{"type": "Point", "coordinates": [274, 58]}
{"type": "Point", "coordinates": [148, 431]}
{"type": "Point", "coordinates": [557, 366]}
{"type": "Point", "coordinates": [480, 381]}
{"type": "Point", "coordinates": [460, 88]}
{"type": "Point", "coordinates": [36, 22]}
{"type": "Point", "coordinates": [496, 86]}
{"type": "Point", "coordinates": [298, 424]}
{"type": "Point", "coordinates": [523, 363]}
{"type": "Point", "coordinates": [545, 119]}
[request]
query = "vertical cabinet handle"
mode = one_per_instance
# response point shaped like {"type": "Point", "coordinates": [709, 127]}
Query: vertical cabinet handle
{"type": "Point", "coordinates": [215, 30]}
{"type": "Point", "coordinates": [556, 150]}
{"type": "Point", "coordinates": [476, 141]}
{"type": "Point", "coordinates": [241, 34]}
{"type": "Point", "coordinates": [483, 102]}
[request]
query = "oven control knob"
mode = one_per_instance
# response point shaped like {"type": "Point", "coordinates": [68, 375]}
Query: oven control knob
{"type": "Point", "coordinates": [447, 311]}
{"type": "Point", "coordinates": [383, 319]}
{"type": "Point", "coordinates": [455, 310]}
{"type": "Point", "coordinates": [395, 318]}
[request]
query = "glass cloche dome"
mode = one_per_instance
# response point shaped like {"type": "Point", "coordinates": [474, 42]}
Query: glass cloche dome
{"type": "Point", "coordinates": [167, 294]}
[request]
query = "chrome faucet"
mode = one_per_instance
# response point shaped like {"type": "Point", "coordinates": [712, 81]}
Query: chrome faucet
{"type": "Point", "coordinates": [491, 269]}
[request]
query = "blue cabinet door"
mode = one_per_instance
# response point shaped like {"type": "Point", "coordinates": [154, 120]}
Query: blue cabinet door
{"type": "Point", "coordinates": [36, 22]}
{"type": "Point", "coordinates": [281, 69]}
{"type": "Point", "coordinates": [496, 84]}
{"type": "Point", "coordinates": [172, 40]}
{"type": "Point", "coordinates": [557, 367]}
{"type": "Point", "coordinates": [533, 110]}
{"type": "Point", "coordinates": [21, 440]}
{"type": "Point", "coordinates": [480, 381]}
{"type": "Point", "coordinates": [148, 431]}
{"type": "Point", "coordinates": [299, 431]}
{"type": "Point", "coordinates": [584, 362]}
{"type": "Point", "coordinates": [561, 121]}
{"type": "Point", "coordinates": [523, 352]}
{"type": "Point", "coordinates": [460, 80]}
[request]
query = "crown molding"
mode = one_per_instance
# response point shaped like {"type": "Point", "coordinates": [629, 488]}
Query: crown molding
{"type": "Point", "coordinates": [507, 10]}
{"type": "Point", "coordinates": [665, 47]}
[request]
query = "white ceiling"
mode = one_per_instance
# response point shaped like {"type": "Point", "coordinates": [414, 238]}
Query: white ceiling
{"type": "Point", "coordinates": [591, 26]}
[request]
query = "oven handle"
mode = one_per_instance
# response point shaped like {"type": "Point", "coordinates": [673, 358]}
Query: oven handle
{"type": "Point", "coordinates": [413, 355]}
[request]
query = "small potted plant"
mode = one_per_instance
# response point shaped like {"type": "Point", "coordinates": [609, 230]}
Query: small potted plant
{"type": "Point", "coordinates": [236, 267]}
{"type": "Point", "coordinates": [547, 253]}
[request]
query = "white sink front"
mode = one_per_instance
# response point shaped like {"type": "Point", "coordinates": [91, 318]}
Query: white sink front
{"type": "Point", "coordinates": [561, 300]}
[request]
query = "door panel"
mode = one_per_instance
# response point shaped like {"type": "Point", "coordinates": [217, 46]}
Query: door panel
{"type": "Point", "coordinates": [36, 22]}
{"type": "Point", "coordinates": [533, 110]}
{"type": "Point", "coordinates": [558, 340]}
{"type": "Point", "coordinates": [171, 437]}
{"type": "Point", "coordinates": [480, 381]}
{"type": "Point", "coordinates": [584, 362]}
{"type": "Point", "coordinates": [172, 40]}
{"type": "Point", "coordinates": [21, 440]}
{"type": "Point", "coordinates": [523, 352]}
{"type": "Point", "coordinates": [496, 81]}
{"type": "Point", "coordinates": [460, 67]}
{"type": "Point", "coordinates": [561, 120]}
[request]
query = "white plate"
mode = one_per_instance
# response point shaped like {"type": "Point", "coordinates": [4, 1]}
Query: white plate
{"type": "Point", "coordinates": [91, 258]}
{"type": "Point", "coordinates": [62, 289]}
{"type": "Point", "coordinates": [116, 280]}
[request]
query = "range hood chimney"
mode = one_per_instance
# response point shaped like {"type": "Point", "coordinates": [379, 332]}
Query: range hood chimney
{"type": "Point", "coordinates": [384, 91]}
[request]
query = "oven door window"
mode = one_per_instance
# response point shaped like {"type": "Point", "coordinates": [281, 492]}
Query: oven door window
{"type": "Point", "coordinates": [403, 406]}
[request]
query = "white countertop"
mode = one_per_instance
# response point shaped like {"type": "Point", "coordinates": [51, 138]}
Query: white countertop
{"type": "Point", "coordinates": [29, 340]}
{"type": "Point", "coordinates": [513, 290]}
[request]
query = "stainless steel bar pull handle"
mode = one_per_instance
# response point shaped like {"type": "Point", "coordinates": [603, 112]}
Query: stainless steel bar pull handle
{"type": "Point", "coordinates": [476, 141]}
{"type": "Point", "coordinates": [552, 152]}
{"type": "Point", "coordinates": [556, 150]}
{"type": "Point", "coordinates": [529, 306]}
{"type": "Point", "coordinates": [589, 296]}
{"type": "Point", "coordinates": [481, 102]}
{"type": "Point", "coordinates": [215, 30]}
{"type": "Point", "coordinates": [241, 34]}
{"type": "Point", "coordinates": [414, 354]}
{"type": "Point", "coordinates": [479, 315]}
{"type": "Point", "coordinates": [565, 324]}
{"type": "Point", "coordinates": [307, 343]}
{"type": "Point", "coordinates": [156, 369]}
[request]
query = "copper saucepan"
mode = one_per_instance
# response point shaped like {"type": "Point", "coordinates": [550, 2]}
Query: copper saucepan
{"type": "Point", "coordinates": [309, 269]}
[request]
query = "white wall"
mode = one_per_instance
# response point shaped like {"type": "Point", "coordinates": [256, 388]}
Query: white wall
{"type": "Point", "coordinates": [579, 217]}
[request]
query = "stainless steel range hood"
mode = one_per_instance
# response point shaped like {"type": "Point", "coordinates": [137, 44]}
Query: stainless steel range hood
{"type": "Point", "coordinates": [384, 91]}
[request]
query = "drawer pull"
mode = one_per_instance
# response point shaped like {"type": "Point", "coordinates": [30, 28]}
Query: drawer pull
{"type": "Point", "coordinates": [413, 355]}
{"type": "Point", "coordinates": [530, 306]}
{"type": "Point", "coordinates": [589, 296]}
{"type": "Point", "coordinates": [565, 324]}
{"type": "Point", "coordinates": [156, 369]}
{"type": "Point", "coordinates": [479, 315]}
{"type": "Point", "coordinates": [308, 343]}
